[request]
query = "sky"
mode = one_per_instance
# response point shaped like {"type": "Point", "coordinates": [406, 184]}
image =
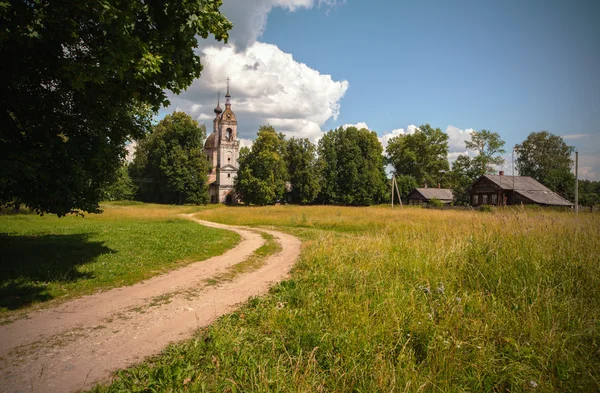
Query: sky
{"type": "Point", "coordinates": [308, 66]}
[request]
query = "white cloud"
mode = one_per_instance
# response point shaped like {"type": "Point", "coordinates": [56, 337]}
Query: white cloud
{"type": "Point", "coordinates": [385, 138]}
{"type": "Point", "coordinates": [575, 136]}
{"type": "Point", "coordinates": [130, 148]}
{"type": "Point", "coordinates": [267, 87]}
{"type": "Point", "coordinates": [249, 17]}
{"type": "Point", "coordinates": [457, 138]}
{"type": "Point", "coordinates": [589, 167]}
{"type": "Point", "coordinates": [360, 125]}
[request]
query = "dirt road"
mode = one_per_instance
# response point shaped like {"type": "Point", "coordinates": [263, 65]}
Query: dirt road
{"type": "Point", "coordinates": [77, 344]}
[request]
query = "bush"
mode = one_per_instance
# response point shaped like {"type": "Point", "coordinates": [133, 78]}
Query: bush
{"type": "Point", "coordinates": [487, 208]}
{"type": "Point", "coordinates": [436, 203]}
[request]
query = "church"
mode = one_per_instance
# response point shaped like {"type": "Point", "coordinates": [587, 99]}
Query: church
{"type": "Point", "coordinates": [221, 149]}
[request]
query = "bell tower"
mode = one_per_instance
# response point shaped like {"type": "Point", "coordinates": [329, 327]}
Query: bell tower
{"type": "Point", "coordinates": [223, 152]}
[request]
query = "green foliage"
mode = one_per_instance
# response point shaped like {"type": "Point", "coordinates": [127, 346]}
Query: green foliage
{"type": "Point", "coordinates": [422, 155]}
{"type": "Point", "coordinates": [78, 79]}
{"type": "Point", "coordinates": [300, 157]}
{"type": "Point", "coordinates": [489, 146]}
{"type": "Point", "coordinates": [406, 183]}
{"type": "Point", "coordinates": [434, 202]}
{"type": "Point", "coordinates": [169, 164]}
{"type": "Point", "coordinates": [262, 170]}
{"type": "Point", "coordinates": [590, 199]}
{"type": "Point", "coordinates": [547, 158]}
{"type": "Point", "coordinates": [45, 258]}
{"type": "Point", "coordinates": [122, 189]}
{"type": "Point", "coordinates": [352, 167]}
{"type": "Point", "coordinates": [461, 177]}
{"type": "Point", "coordinates": [486, 208]}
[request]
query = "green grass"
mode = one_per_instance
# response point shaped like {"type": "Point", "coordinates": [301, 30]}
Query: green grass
{"type": "Point", "coordinates": [412, 300]}
{"type": "Point", "coordinates": [253, 262]}
{"type": "Point", "coordinates": [51, 259]}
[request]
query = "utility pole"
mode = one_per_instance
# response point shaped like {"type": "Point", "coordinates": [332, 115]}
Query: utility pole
{"type": "Point", "coordinates": [576, 182]}
{"type": "Point", "coordinates": [393, 182]}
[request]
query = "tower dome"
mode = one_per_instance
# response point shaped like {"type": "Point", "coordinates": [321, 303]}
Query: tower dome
{"type": "Point", "coordinates": [218, 109]}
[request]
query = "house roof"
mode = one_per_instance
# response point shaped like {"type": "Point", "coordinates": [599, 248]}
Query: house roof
{"type": "Point", "coordinates": [529, 188]}
{"type": "Point", "coordinates": [437, 193]}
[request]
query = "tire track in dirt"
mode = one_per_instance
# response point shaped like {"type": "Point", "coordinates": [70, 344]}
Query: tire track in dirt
{"type": "Point", "coordinates": [79, 343]}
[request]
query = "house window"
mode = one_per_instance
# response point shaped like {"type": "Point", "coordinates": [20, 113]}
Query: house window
{"type": "Point", "coordinates": [475, 199]}
{"type": "Point", "coordinates": [229, 175]}
{"type": "Point", "coordinates": [494, 199]}
{"type": "Point", "coordinates": [484, 199]}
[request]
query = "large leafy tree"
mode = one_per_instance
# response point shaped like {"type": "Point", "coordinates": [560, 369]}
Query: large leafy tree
{"type": "Point", "coordinates": [461, 177]}
{"type": "Point", "coordinates": [547, 158]}
{"type": "Point", "coordinates": [262, 169]}
{"type": "Point", "coordinates": [352, 167]}
{"type": "Point", "coordinates": [489, 145]}
{"type": "Point", "coordinates": [301, 160]}
{"type": "Point", "coordinates": [422, 155]}
{"type": "Point", "coordinates": [169, 163]}
{"type": "Point", "coordinates": [80, 78]}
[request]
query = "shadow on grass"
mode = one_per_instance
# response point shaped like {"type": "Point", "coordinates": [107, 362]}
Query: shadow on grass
{"type": "Point", "coordinates": [29, 263]}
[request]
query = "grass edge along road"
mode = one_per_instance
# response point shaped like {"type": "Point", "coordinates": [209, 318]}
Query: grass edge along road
{"type": "Point", "coordinates": [47, 260]}
{"type": "Point", "coordinates": [405, 300]}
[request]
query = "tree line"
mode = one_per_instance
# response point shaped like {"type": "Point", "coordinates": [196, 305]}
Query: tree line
{"type": "Point", "coordinates": [346, 167]}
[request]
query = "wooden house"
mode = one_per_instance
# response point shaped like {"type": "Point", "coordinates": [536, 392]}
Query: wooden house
{"type": "Point", "coordinates": [498, 190]}
{"type": "Point", "coordinates": [422, 196]}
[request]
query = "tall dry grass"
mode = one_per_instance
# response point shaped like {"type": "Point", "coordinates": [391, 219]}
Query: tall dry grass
{"type": "Point", "coordinates": [407, 300]}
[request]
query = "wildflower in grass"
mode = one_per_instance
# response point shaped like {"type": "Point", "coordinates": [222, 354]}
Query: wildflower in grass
{"type": "Point", "coordinates": [441, 288]}
{"type": "Point", "coordinates": [425, 289]}
{"type": "Point", "coordinates": [280, 305]}
{"type": "Point", "coordinates": [533, 384]}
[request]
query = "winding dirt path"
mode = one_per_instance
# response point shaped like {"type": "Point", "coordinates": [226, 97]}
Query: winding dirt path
{"type": "Point", "coordinates": [79, 343]}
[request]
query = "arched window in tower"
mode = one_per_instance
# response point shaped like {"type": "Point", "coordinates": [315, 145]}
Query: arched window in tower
{"type": "Point", "coordinates": [228, 134]}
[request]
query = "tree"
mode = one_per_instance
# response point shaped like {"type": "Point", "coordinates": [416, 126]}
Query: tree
{"type": "Point", "coordinates": [169, 163]}
{"type": "Point", "coordinates": [80, 78]}
{"type": "Point", "coordinates": [300, 157]}
{"type": "Point", "coordinates": [122, 189]}
{"type": "Point", "coordinates": [489, 146]}
{"type": "Point", "coordinates": [406, 183]}
{"type": "Point", "coordinates": [352, 167]}
{"type": "Point", "coordinates": [547, 158]}
{"type": "Point", "coordinates": [262, 169]}
{"type": "Point", "coordinates": [461, 177]}
{"type": "Point", "coordinates": [422, 155]}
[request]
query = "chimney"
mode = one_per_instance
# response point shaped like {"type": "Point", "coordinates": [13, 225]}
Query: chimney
{"type": "Point", "coordinates": [501, 173]}
{"type": "Point", "coordinates": [439, 185]}
{"type": "Point", "coordinates": [425, 185]}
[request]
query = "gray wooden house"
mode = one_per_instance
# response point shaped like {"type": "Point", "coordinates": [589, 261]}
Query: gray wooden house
{"type": "Point", "coordinates": [422, 196]}
{"type": "Point", "coordinates": [498, 190]}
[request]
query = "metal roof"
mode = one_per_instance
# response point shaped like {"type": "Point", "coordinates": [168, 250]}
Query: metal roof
{"type": "Point", "coordinates": [530, 189]}
{"type": "Point", "coordinates": [437, 193]}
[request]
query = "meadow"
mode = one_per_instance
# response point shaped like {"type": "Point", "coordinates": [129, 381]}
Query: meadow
{"type": "Point", "coordinates": [44, 260]}
{"type": "Point", "coordinates": [408, 300]}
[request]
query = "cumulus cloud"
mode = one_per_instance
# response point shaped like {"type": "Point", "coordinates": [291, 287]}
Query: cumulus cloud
{"type": "Point", "coordinates": [130, 148]}
{"type": "Point", "coordinates": [457, 138]}
{"type": "Point", "coordinates": [267, 87]}
{"type": "Point", "coordinates": [360, 125]}
{"type": "Point", "coordinates": [249, 17]}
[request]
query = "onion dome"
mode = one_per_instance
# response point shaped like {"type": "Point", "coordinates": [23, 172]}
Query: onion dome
{"type": "Point", "coordinates": [210, 141]}
{"type": "Point", "coordinates": [218, 109]}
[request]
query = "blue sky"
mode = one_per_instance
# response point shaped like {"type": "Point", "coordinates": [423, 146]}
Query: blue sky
{"type": "Point", "coordinates": [513, 67]}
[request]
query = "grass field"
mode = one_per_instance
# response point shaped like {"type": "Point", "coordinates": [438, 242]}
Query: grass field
{"type": "Point", "coordinates": [411, 300]}
{"type": "Point", "coordinates": [51, 259]}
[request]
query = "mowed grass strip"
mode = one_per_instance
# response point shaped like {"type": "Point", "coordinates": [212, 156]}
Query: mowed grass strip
{"type": "Point", "coordinates": [48, 258]}
{"type": "Point", "coordinates": [407, 300]}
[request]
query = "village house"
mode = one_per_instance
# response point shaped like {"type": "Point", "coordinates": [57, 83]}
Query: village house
{"type": "Point", "coordinates": [422, 196]}
{"type": "Point", "coordinates": [498, 190]}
